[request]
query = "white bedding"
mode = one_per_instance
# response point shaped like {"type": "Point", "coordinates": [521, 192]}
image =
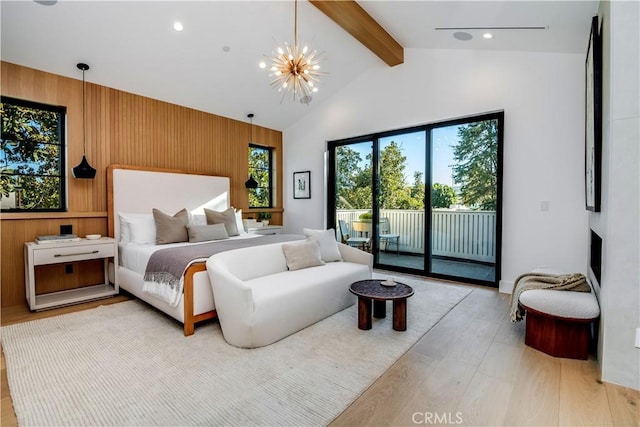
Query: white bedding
{"type": "Point", "coordinates": [134, 256]}
{"type": "Point", "coordinates": [135, 191]}
{"type": "Point", "coordinates": [137, 257]}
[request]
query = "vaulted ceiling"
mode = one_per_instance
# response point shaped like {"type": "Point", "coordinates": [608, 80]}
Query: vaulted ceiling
{"type": "Point", "coordinates": [212, 65]}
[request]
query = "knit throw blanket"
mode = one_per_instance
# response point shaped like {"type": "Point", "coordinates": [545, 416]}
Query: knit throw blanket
{"type": "Point", "coordinates": [564, 282]}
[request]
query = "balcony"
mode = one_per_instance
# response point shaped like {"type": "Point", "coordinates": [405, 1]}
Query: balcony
{"type": "Point", "coordinates": [463, 241]}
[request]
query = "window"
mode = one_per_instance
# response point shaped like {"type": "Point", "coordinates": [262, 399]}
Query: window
{"type": "Point", "coordinates": [260, 167]}
{"type": "Point", "coordinates": [32, 171]}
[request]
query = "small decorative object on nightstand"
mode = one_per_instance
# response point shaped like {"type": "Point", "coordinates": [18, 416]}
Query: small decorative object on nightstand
{"type": "Point", "coordinates": [265, 230]}
{"type": "Point", "coordinates": [264, 217]}
{"type": "Point", "coordinates": [67, 252]}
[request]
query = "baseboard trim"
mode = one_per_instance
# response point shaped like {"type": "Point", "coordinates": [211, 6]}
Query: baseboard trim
{"type": "Point", "coordinates": [506, 286]}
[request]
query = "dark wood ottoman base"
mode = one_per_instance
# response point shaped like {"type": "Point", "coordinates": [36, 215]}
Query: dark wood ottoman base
{"type": "Point", "coordinates": [557, 336]}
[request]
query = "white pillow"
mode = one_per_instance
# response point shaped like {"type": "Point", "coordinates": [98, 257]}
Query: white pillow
{"type": "Point", "coordinates": [302, 254]}
{"type": "Point", "coordinates": [327, 241]}
{"type": "Point", "coordinates": [239, 222]}
{"type": "Point", "coordinates": [142, 223]}
{"type": "Point", "coordinates": [143, 230]}
{"type": "Point", "coordinates": [197, 219]}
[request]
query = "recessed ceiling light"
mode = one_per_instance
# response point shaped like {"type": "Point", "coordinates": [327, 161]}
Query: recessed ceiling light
{"type": "Point", "coordinates": [487, 35]}
{"type": "Point", "coordinates": [262, 64]}
{"type": "Point", "coordinates": [178, 26]}
{"type": "Point", "coordinates": [226, 49]}
{"type": "Point", "coordinates": [461, 35]}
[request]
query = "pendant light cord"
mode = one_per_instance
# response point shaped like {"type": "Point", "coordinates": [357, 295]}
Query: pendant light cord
{"type": "Point", "coordinates": [84, 118]}
{"type": "Point", "coordinates": [295, 25]}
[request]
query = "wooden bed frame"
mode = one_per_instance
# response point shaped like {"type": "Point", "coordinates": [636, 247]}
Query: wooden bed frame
{"type": "Point", "coordinates": [189, 318]}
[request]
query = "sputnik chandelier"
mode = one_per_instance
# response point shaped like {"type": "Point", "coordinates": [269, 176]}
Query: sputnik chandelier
{"type": "Point", "coordinates": [295, 69]}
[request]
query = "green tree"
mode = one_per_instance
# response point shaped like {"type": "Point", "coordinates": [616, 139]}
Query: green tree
{"type": "Point", "coordinates": [417, 191]}
{"type": "Point", "coordinates": [347, 161]}
{"type": "Point", "coordinates": [353, 179]}
{"type": "Point", "coordinates": [442, 196]}
{"type": "Point", "coordinates": [476, 164]}
{"type": "Point", "coordinates": [360, 198]}
{"type": "Point", "coordinates": [259, 168]}
{"type": "Point", "coordinates": [354, 175]}
{"type": "Point", "coordinates": [30, 156]}
{"type": "Point", "coordinates": [393, 190]}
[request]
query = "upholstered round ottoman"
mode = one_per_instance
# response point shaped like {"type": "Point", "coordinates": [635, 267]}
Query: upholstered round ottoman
{"type": "Point", "coordinates": [559, 322]}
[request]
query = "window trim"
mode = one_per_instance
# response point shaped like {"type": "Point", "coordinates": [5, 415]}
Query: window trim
{"type": "Point", "coordinates": [62, 111]}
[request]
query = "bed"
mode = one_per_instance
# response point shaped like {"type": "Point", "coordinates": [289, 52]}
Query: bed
{"type": "Point", "coordinates": [134, 191]}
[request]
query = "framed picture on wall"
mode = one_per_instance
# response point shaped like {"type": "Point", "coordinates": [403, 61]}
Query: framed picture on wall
{"type": "Point", "coordinates": [302, 185]}
{"type": "Point", "coordinates": [593, 119]}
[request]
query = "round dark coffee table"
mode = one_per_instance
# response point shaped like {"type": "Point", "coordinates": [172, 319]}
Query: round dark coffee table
{"type": "Point", "coordinates": [371, 291]}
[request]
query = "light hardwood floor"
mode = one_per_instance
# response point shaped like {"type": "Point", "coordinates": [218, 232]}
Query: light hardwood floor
{"type": "Point", "coordinates": [471, 368]}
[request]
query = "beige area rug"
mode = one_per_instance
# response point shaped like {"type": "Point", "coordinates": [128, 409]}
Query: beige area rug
{"type": "Point", "coordinates": [126, 364]}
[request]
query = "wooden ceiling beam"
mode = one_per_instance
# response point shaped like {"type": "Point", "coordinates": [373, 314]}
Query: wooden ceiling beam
{"type": "Point", "coordinates": [357, 22]}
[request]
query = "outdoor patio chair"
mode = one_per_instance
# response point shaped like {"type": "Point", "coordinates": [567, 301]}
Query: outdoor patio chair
{"type": "Point", "coordinates": [387, 237]}
{"type": "Point", "coordinates": [359, 242]}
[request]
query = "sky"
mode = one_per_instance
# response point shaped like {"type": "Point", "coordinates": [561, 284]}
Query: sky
{"type": "Point", "coordinates": [413, 147]}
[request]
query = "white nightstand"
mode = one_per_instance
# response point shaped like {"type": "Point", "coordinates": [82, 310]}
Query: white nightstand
{"type": "Point", "coordinates": [266, 230]}
{"type": "Point", "coordinates": [58, 253]}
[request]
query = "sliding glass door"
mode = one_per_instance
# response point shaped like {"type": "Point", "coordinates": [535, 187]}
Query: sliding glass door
{"type": "Point", "coordinates": [464, 200]}
{"type": "Point", "coordinates": [353, 193]}
{"type": "Point", "coordinates": [401, 200]}
{"type": "Point", "coordinates": [424, 200]}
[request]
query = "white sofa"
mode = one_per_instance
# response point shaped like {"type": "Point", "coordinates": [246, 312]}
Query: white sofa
{"type": "Point", "coordinates": [259, 301]}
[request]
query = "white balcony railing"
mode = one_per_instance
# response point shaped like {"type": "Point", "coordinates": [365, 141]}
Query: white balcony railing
{"type": "Point", "coordinates": [458, 234]}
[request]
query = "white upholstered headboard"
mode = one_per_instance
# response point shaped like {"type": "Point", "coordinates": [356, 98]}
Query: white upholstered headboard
{"type": "Point", "coordinates": [138, 190]}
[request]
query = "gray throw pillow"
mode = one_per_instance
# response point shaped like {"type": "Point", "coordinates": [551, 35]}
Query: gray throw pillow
{"type": "Point", "coordinates": [205, 233]}
{"type": "Point", "coordinates": [171, 229]}
{"type": "Point", "coordinates": [228, 218]}
{"type": "Point", "coordinates": [302, 254]}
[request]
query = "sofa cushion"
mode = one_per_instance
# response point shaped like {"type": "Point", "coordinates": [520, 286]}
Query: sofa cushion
{"type": "Point", "coordinates": [327, 241]}
{"type": "Point", "coordinates": [565, 304]}
{"type": "Point", "coordinates": [335, 277]}
{"type": "Point", "coordinates": [286, 302]}
{"type": "Point", "coordinates": [301, 255]}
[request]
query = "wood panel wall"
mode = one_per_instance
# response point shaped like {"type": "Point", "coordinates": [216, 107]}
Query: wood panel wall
{"type": "Point", "coordinates": [126, 129]}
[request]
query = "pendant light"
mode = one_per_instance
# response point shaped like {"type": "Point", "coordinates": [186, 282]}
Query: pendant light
{"type": "Point", "coordinates": [295, 69]}
{"type": "Point", "coordinates": [84, 169]}
{"type": "Point", "coordinates": [251, 183]}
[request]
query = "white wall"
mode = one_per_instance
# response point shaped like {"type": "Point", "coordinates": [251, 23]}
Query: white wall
{"type": "Point", "coordinates": [543, 99]}
{"type": "Point", "coordinates": [618, 223]}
